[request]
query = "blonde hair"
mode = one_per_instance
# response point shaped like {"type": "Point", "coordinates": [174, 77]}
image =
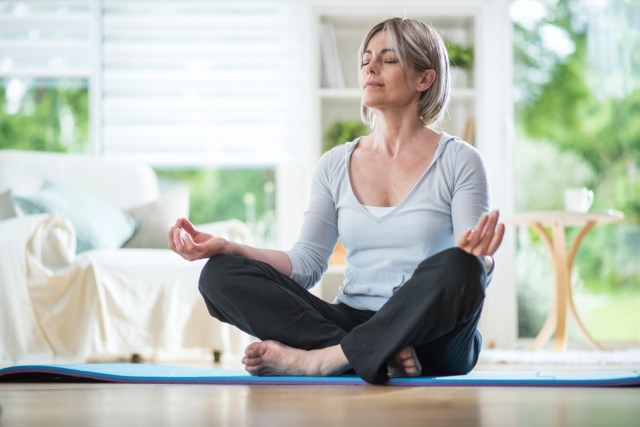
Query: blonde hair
{"type": "Point", "coordinates": [420, 47]}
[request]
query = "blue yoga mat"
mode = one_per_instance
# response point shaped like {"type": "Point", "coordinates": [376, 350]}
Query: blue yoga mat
{"type": "Point", "coordinates": [166, 374]}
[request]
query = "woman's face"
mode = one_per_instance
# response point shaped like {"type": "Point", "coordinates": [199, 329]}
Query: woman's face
{"type": "Point", "coordinates": [383, 82]}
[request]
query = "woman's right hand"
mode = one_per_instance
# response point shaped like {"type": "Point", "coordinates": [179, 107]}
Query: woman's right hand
{"type": "Point", "coordinates": [192, 244]}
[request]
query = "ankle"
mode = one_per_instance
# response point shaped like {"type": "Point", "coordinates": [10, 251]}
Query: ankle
{"type": "Point", "coordinates": [331, 361]}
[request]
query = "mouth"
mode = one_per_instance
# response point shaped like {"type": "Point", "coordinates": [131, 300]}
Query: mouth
{"type": "Point", "coordinates": [372, 85]}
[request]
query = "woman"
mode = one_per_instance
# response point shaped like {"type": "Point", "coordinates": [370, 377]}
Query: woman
{"type": "Point", "coordinates": [410, 205]}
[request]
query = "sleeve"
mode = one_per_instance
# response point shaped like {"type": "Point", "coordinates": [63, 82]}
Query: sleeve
{"type": "Point", "coordinates": [310, 254]}
{"type": "Point", "coordinates": [471, 198]}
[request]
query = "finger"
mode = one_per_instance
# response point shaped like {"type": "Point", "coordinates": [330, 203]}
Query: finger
{"type": "Point", "coordinates": [490, 224]}
{"type": "Point", "coordinates": [497, 239]}
{"type": "Point", "coordinates": [187, 240]}
{"type": "Point", "coordinates": [482, 245]}
{"type": "Point", "coordinates": [170, 239]}
{"type": "Point", "coordinates": [188, 227]}
{"type": "Point", "coordinates": [177, 241]}
{"type": "Point", "coordinates": [475, 237]}
{"type": "Point", "coordinates": [464, 238]}
{"type": "Point", "coordinates": [489, 231]}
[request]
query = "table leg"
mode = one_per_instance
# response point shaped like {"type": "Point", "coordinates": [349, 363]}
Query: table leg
{"type": "Point", "coordinates": [557, 310]}
{"type": "Point", "coordinates": [571, 306]}
{"type": "Point", "coordinates": [563, 284]}
{"type": "Point", "coordinates": [563, 304]}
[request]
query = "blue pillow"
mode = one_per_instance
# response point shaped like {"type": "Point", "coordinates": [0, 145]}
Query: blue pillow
{"type": "Point", "coordinates": [98, 225]}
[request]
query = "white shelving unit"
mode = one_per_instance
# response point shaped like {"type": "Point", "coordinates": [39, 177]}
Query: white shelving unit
{"type": "Point", "coordinates": [484, 101]}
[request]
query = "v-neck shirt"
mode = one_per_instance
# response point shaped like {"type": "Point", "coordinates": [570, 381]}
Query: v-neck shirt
{"type": "Point", "coordinates": [385, 247]}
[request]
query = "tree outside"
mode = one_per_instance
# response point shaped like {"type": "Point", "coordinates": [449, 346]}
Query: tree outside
{"type": "Point", "coordinates": [220, 194]}
{"type": "Point", "coordinates": [578, 99]}
{"type": "Point", "coordinates": [44, 114]}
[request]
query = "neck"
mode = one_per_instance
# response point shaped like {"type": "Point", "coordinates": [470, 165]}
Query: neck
{"type": "Point", "coordinates": [396, 136]}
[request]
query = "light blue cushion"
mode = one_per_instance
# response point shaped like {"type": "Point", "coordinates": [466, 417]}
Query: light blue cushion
{"type": "Point", "coordinates": [98, 225]}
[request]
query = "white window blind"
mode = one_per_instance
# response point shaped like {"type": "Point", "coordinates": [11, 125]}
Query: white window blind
{"type": "Point", "coordinates": [45, 39]}
{"type": "Point", "coordinates": [202, 82]}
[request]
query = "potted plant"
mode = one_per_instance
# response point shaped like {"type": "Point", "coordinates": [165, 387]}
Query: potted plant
{"type": "Point", "coordinates": [461, 59]}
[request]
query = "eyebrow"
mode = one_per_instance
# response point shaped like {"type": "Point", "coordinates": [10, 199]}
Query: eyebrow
{"type": "Point", "coordinates": [385, 50]}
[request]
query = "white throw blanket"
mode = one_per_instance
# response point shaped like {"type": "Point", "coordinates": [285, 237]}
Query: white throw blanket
{"type": "Point", "coordinates": [32, 246]}
{"type": "Point", "coordinates": [59, 308]}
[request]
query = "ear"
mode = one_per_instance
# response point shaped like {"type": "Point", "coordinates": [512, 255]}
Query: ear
{"type": "Point", "coordinates": [426, 80]}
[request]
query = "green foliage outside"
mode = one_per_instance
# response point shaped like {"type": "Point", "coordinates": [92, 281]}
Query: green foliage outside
{"type": "Point", "coordinates": [220, 194]}
{"type": "Point", "coordinates": [341, 132]}
{"type": "Point", "coordinates": [45, 115]}
{"type": "Point", "coordinates": [570, 134]}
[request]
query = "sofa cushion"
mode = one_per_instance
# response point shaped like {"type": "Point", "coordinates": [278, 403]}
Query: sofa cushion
{"type": "Point", "coordinates": [156, 217]}
{"type": "Point", "coordinates": [98, 225]}
{"type": "Point", "coordinates": [7, 209]}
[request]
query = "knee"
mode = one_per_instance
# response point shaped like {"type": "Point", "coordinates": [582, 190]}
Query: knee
{"type": "Point", "coordinates": [456, 275]}
{"type": "Point", "coordinates": [216, 274]}
{"type": "Point", "coordinates": [460, 260]}
{"type": "Point", "coordinates": [458, 265]}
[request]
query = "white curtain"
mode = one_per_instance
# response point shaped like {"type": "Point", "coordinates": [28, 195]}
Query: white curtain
{"type": "Point", "coordinates": [202, 82]}
{"type": "Point", "coordinates": [220, 83]}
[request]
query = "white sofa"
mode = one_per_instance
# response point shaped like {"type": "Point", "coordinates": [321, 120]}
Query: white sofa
{"type": "Point", "coordinates": [58, 305]}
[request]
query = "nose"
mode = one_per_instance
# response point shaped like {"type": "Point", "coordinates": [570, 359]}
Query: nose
{"type": "Point", "coordinates": [370, 68]}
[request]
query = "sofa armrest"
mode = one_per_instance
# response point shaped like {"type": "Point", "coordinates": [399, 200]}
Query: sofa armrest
{"type": "Point", "coordinates": [156, 217]}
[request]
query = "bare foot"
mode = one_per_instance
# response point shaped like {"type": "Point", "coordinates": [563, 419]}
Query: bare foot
{"type": "Point", "coordinates": [404, 363]}
{"type": "Point", "coordinates": [275, 358]}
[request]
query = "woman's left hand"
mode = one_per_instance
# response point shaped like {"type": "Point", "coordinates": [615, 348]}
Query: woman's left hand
{"type": "Point", "coordinates": [485, 238]}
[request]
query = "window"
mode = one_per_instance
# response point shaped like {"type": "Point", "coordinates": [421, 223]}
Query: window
{"type": "Point", "coordinates": [200, 82]}
{"type": "Point", "coordinates": [184, 86]}
{"type": "Point", "coordinates": [579, 95]}
{"type": "Point", "coordinates": [44, 75]}
{"type": "Point", "coordinates": [44, 114]}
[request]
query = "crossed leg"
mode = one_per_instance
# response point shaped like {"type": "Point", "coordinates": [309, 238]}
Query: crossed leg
{"type": "Point", "coordinates": [324, 334]}
{"type": "Point", "coordinates": [274, 358]}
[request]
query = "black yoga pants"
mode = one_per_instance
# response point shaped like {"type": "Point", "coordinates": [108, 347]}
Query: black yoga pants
{"type": "Point", "coordinates": [436, 311]}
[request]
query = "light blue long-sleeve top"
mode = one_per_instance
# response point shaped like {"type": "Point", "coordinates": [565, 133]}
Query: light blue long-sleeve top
{"type": "Point", "coordinates": [383, 252]}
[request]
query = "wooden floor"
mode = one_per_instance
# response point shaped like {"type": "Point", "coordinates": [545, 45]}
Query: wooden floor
{"type": "Point", "coordinates": [72, 404]}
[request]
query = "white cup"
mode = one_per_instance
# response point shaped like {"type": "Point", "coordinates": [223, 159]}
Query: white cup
{"type": "Point", "coordinates": [578, 199]}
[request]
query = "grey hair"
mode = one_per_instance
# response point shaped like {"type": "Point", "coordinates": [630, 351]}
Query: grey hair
{"type": "Point", "coordinates": [420, 47]}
